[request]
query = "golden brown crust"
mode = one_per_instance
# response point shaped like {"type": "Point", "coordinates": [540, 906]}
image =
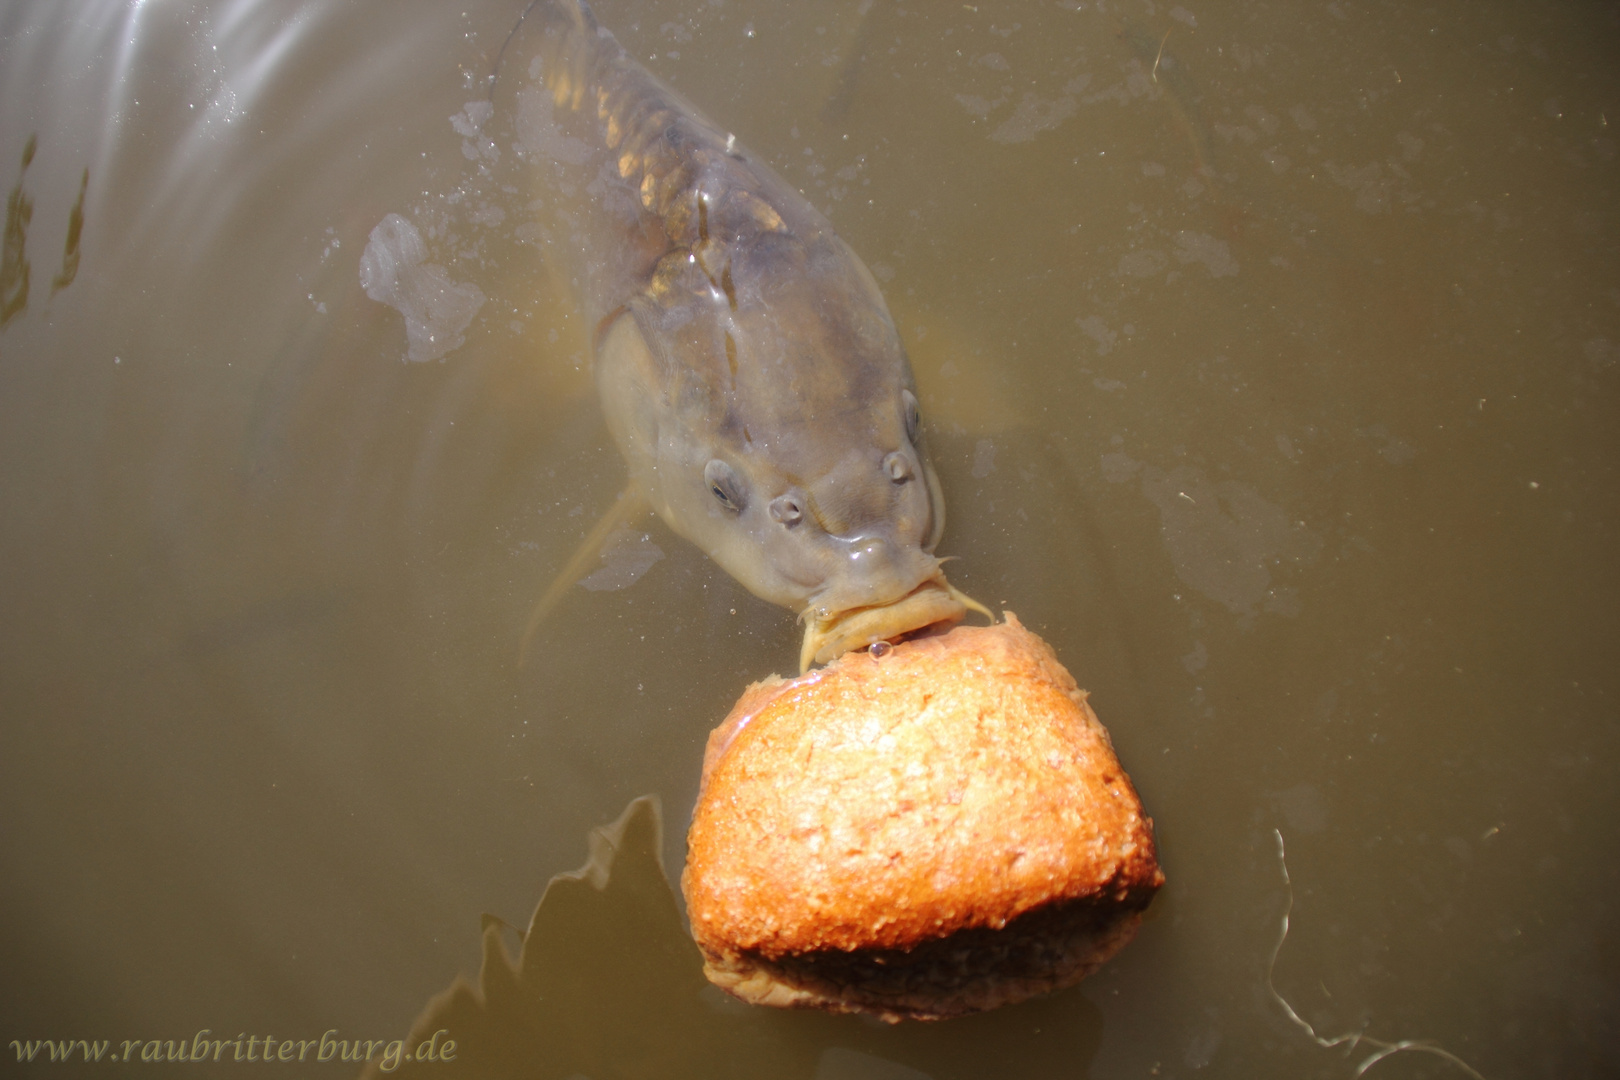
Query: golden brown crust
{"type": "Point", "coordinates": [912, 816]}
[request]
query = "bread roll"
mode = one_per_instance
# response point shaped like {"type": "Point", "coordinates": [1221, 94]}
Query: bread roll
{"type": "Point", "coordinates": [932, 831]}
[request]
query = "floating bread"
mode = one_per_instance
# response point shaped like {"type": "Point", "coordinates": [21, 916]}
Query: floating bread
{"type": "Point", "coordinates": [934, 830]}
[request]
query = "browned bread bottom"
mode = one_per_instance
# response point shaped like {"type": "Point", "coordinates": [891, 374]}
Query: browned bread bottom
{"type": "Point", "coordinates": [924, 834]}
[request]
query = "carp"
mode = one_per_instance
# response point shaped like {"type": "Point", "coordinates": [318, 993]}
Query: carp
{"type": "Point", "coordinates": [746, 364]}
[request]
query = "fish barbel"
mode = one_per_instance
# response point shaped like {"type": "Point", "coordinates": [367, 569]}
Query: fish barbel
{"type": "Point", "coordinates": [746, 364]}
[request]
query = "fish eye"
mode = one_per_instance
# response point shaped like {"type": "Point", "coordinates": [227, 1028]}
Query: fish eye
{"type": "Point", "coordinates": [786, 510]}
{"type": "Point", "coordinates": [913, 415]}
{"type": "Point", "coordinates": [724, 485]}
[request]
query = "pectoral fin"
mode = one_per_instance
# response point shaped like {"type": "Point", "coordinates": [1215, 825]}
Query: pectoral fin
{"type": "Point", "coordinates": [630, 506]}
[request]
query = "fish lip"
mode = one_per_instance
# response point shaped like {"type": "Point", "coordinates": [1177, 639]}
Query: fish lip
{"type": "Point", "coordinates": [828, 636]}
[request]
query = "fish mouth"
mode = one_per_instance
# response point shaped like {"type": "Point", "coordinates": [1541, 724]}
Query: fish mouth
{"type": "Point", "coordinates": [933, 603]}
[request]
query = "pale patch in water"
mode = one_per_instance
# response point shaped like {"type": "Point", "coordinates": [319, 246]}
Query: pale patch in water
{"type": "Point", "coordinates": [1196, 660]}
{"type": "Point", "coordinates": [540, 139]}
{"type": "Point", "coordinates": [1222, 536]}
{"type": "Point", "coordinates": [1191, 247]}
{"type": "Point", "coordinates": [984, 459]}
{"type": "Point", "coordinates": [1600, 353]}
{"type": "Point", "coordinates": [1371, 186]}
{"type": "Point", "coordinates": [1304, 808]}
{"type": "Point", "coordinates": [1098, 331]}
{"type": "Point", "coordinates": [469, 124]}
{"type": "Point", "coordinates": [1033, 115]}
{"type": "Point", "coordinates": [976, 105]}
{"type": "Point", "coordinates": [1144, 263]}
{"type": "Point", "coordinates": [1205, 249]}
{"type": "Point", "coordinates": [437, 311]}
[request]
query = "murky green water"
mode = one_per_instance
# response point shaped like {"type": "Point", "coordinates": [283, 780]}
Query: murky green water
{"type": "Point", "coordinates": [1271, 356]}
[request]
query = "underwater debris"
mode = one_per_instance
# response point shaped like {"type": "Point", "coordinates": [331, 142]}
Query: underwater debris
{"type": "Point", "coordinates": [1351, 1040]}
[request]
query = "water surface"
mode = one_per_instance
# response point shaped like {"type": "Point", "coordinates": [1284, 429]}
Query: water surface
{"type": "Point", "coordinates": [1269, 357]}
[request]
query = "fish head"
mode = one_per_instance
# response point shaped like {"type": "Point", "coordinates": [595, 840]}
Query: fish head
{"type": "Point", "coordinates": [786, 439]}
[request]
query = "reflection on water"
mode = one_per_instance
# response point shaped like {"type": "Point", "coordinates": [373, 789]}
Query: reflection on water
{"type": "Point", "coordinates": [1269, 357]}
{"type": "Point", "coordinates": [608, 983]}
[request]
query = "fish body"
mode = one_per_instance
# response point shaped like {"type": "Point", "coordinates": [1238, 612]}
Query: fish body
{"type": "Point", "coordinates": [745, 360]}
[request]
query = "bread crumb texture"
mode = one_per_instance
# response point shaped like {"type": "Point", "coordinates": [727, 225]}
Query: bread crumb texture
{"type": "Point", "coordinates": [909, 808]}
